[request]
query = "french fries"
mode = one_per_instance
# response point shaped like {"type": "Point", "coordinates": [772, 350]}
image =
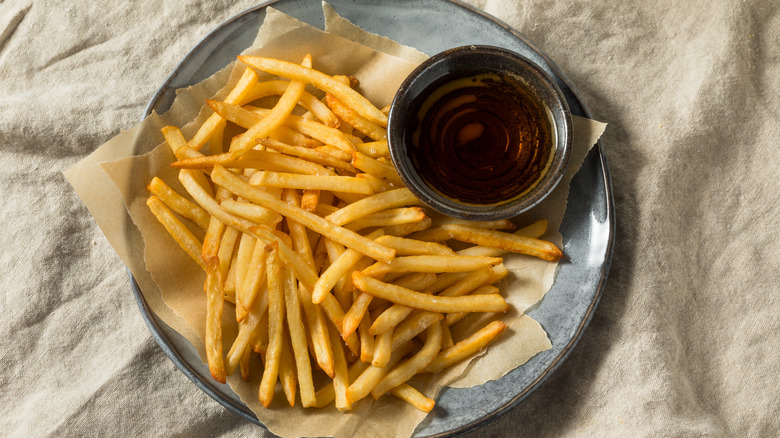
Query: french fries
{"type": "Point", "coordinates": [303, 240]}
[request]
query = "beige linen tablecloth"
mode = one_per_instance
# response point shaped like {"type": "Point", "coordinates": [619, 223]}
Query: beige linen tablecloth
{"type": "Point", "coordinates": [685, 342]}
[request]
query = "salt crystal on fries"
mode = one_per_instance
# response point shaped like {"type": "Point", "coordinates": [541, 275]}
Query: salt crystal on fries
{"type": "Point", "coordinates": [413, 397]}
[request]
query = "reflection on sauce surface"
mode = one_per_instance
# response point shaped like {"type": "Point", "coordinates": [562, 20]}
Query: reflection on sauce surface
{"type": "Point", "coordinates": [481, 140]}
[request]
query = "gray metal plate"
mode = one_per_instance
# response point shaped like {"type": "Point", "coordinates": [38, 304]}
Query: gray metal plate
{"type": "Point", "coordinates": [587, 228]}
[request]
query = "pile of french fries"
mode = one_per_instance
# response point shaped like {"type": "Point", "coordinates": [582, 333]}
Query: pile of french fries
{"type": "Point", "coordinates": [331, 265]}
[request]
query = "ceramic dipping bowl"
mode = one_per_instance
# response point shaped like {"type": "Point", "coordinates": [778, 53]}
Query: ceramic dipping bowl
{"type": "Point", "coordinates": [480, 133]}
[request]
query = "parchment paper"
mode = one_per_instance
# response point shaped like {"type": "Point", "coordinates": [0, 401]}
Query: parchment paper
{"type": "Point", "coordinates": [172, 283]}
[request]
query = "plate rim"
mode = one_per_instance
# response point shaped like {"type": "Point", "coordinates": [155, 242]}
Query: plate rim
{"type": "Point", "coordinates": [152, 321]}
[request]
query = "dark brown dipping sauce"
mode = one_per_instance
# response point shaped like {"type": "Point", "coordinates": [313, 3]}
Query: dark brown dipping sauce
{"type": "Point", "coordinates": [481, 140]}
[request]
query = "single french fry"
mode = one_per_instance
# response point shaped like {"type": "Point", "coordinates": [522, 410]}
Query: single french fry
{"type": "Point", "coordinates": [499, 224]}
{"type": "Point", "coordinates": [347, 114]}
{"type": "Point", "coordinates": [326, 83]}
{"type": "Point", "coordinates": [185, 152]}
{"type": "Point", "coordinates": [383, 349]}
{"type": "Point", "coordinates": [212, 240]}
{"type": "Point", "coordinates": [246, 247]}
{"type": "Point", "coordinates": [372, 204]}
{"type": "Point", "coordinates": [417, 300]}
{"type": "Point", "coordinates": [287, 374]}
{"type": "Point", "coordinates": [377, 184]}
{"type": "Point", "coordinates": [254, 278]}
{"type": "Point", "coordinates": [274, 119]}
{"type": "Point", "coordinates": [214, 305]}
{"type": "Point", "coordinates": [178, 203]}
{"type": "Point", "coordinates": [341, 288]}
{"type": "Point", "coordinates": [346, 184]}
{"type": "Point", "coordinates": [413, 397]}
{"type": "Point", "coordinates": [298, 341]}
{"type": "Point", "coordinates": [406, 370]}
{"type": "Point", "coordinates": [336, 153]}
{"type": "Point", "coordinates": [506, 241]}
{"type": "Point", "coordinates": [363, 384]}
{"type": "Point", "coordinates": [341, 377]}
{"type": "Point", "coordinates": [446, 335]}
{"type": "Point", "coordinates": [225, 253]}
{"type": "Point", "coordinates": [217, 139]}
{"type": "Point", "coordinates": [407, 229]}
{"type": "Point", "coordinates": [310, 199]}
{"type": "Point", "coordinates": [183, 236]}
{"type": "Point", "coordinates": [276, 313]}
{"type": "Point", "coordinates": [229, 284]}
{"type": "Point", "coordinates": [177, 143]}
{"type": "Point", "coordinates": [243, 364]}
{"type": "Point", "coordinates": [404, 246]}
{"type": "Point", "coordinates": [475, 279]}
{"type": "Point", "coordinates": [366, 246]}
{"type": "Point", "coordinates": [390, 217]}
{"type": "Point", "coordinates": [374, 149]}
{"type": "Point", "coordinates": [376, 168]}
{"type": "Point", "coordinates": [366, 340]}
{"type": "Point", "coordinates": [535, 230]}
{"type": "Point", "coordinates": [355, 314]}
{"type": "Point", "coordinates": [431, 263]}
{"type": "Point", "coordinates": [467, 347]}
{"type": "Point", "coordinates": [259, 338]}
